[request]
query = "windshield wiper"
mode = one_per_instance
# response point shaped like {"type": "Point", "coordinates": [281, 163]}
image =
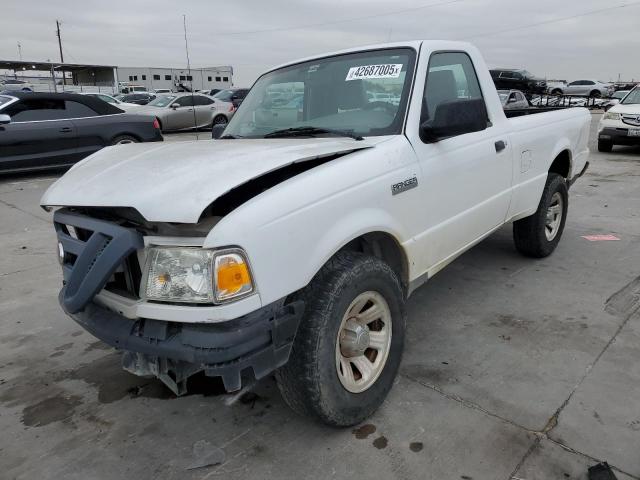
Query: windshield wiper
{"type": "Point", "coordinates": [310, 132]}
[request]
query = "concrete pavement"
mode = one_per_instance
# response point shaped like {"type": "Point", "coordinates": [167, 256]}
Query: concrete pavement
{"type": "Point", "coordinates": [514, 368]}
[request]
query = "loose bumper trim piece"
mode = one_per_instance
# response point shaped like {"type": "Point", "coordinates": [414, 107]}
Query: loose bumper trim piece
{"type": "Point", "coordinates": [260, 341]}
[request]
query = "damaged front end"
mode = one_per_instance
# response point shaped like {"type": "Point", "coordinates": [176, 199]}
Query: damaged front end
{"type": "Point", "coordinates": [101, 253]}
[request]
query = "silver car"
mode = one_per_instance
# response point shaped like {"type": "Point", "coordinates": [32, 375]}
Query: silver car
{"type": "Point", "coordinates": [512, 99]}
{"type": "Point", "coordinates": [181, 111]}
{"type": "Point", "coordinates": [592, 88]}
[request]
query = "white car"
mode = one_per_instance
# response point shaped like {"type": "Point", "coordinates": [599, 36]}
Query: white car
{"type": "Point", "coordinates": [615, 99]}
{"type": "Point", "coordinates": [15, 85]}
{"type": "Point", "coordinates": [591, 88]}
{"type": "Point", "coordinates": [512, 99]}
{"type": "Point", "coordinates": [114, 101]}
{"type": "Point", "coordinates": [620, 125]}
{"type": "Point", "coordinates": [292, 247]}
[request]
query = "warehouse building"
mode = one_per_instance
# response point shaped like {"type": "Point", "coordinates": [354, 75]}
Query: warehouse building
{"type": "Point", "coordinates": [175, 78]}
{"type": "Point", "coordinates": [48, 76]}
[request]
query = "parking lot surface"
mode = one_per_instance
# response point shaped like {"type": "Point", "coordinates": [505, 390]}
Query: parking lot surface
{"type": "Point", "coordinates": [514, 368]}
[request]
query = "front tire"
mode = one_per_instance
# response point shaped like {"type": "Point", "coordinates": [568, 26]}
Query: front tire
{"type": "Point", "coordinates": [538, 235]}
{"type": "Point", "coordinates": [604, 146]}
{"type": "Point", "coordinates": [350, 341]}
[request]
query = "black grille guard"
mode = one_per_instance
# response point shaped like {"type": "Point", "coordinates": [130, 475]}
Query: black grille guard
{"type": "Point", "coordinates": [96, 257]}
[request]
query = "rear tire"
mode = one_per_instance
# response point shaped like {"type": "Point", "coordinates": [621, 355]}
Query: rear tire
{"type": "Point", "coordinates": [219, 120]}
{"type": "Point", "coordinates": [124, 139]}
{"type": "Point", "coordinates": [604, 146]}
{"type": "Point", "coordinates": [595, 94]}
{"type": "Point", "coordinates": [322, 378]}
{"type": "Point", "coordinates": [538, 235]}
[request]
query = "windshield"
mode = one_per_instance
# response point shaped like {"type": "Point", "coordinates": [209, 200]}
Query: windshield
{"type": "Point", "coordinates": [632, 98]}
{"type": "Point", "coordinates": [162, 101]}
{"type": "Point", "coordinates": [620, 94]}
{"type": "Point", "coordinates": [224, 95]}
{"type": "Point", "coordinates": [364, 93]}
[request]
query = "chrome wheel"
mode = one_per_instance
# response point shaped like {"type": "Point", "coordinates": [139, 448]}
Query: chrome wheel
{"type": "Point", "coordinates": [363, 342]}
{"type": "Point", "coordinates": [554, 217]}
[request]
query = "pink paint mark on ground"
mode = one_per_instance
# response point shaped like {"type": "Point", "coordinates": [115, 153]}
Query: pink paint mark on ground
{"type": "Point", "coordinates": [600, 238]}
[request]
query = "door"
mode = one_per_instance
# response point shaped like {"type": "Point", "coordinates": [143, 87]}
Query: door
{"type": "Point", "coordinates": [88, 132]}
{"type": "Point", "coordinates": [39, 135]}
{"type": "Point", "coordinates": [576, 88]}
{"type": "Point", "coordinates": [205, 110]}
{"type": "Point", "coordinates": [466, 179]}
{"type": "Point", "coordinates": [183, 116]}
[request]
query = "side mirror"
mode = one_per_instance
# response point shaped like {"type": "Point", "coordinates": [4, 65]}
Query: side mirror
{"type": "Point", "coordinates": [4, 119]}
{"type": "Point", "coordinates": [455, 117]}
{"type": "Point", "coordinates": [216, 131]}
{"type": "Point", "coordinates": [175, 105]}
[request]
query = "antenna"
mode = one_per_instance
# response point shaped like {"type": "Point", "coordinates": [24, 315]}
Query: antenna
{"type": "Point", "coordinates": [186, 48]}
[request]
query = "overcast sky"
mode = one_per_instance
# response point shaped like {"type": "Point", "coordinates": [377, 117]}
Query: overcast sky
{"type": "Point", "coordinates": [567, 39]}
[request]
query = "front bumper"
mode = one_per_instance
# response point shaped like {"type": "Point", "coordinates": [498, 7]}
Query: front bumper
{"type": "Point", "coordinates": [260, 341]}
{"type": "Point", "coordinates": [618, 136]}
{"type": "Point", "coordinates": [92, 250]}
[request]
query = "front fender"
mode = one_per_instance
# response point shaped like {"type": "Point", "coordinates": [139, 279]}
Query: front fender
{"type": "Point", "coordinates": [291, 230]}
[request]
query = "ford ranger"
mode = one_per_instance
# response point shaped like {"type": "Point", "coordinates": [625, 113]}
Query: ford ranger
{"type": "Point", "coordinates": [291, 243]}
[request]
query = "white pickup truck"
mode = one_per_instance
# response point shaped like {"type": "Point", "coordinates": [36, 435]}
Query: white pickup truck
{"type": "Point", "coordinates": [291, 243]}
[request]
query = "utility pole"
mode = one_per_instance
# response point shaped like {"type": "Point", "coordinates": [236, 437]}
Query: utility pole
{"type": "Point", "coordinates": [20, 51]}
{"type": "Point", "coordinates": [60, 47]}
{"type": "Point", "coordinates": [59, 40]}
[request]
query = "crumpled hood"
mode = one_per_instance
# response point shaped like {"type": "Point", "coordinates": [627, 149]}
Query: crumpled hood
{"type": "Point", "coordinates": [175, 182]}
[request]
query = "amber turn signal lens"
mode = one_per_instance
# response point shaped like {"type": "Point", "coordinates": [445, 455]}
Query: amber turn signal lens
{"type": "Point", "coordinates": [232, 276]}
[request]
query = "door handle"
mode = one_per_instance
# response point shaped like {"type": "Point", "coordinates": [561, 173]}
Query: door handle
{"type": "Point", "coordinates": [500, 145]}
{"type": "Point", "coordinates": [65, 130]}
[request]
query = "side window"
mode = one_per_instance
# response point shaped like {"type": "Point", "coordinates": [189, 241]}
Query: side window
{"type": "Point", "coordinates": [517, 76]}
{"type": "Point", "coordinates": [78, 110]}
{"type": "Point", "coordinates": [186, 101]}
{"type": "Point", "coordinates": [589, 82]}
{"type": "Point", "coordinates": [199, 100]}
{"type": "Point", "coordinates": [506, 75]}
{"type": "Point", "coordinates": [37, 110]}
{"type": "Point", "coordinates": [452, 99]}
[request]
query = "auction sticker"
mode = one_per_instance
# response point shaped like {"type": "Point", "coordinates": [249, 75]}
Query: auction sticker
{"type": "Point", "coordinates": [387, 70]}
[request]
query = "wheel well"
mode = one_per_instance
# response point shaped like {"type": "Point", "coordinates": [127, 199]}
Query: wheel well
{"type": "Point", "coordinates": [385, 247]}
{"type": "Point", "coordinates": [125, 134]}
{"type": "Point", "coordinates": [562, 164]}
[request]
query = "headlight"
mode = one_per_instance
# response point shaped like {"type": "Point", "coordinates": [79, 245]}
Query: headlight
{"type": "Point", "coordinates": [611, 116]}
{"type": "Point", "coordinates": [196, 275]}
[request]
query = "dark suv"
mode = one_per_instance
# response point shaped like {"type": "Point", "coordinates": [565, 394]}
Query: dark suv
{"type": "Point", "coordinates": [516, 79]}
